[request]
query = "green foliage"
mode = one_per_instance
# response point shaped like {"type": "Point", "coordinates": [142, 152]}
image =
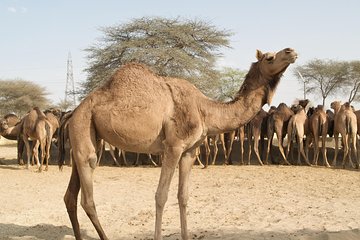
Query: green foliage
{"type": "Point", "coordinates": [229, 83]}
{"type": "Point", "coordinates": [20, 96]}
{"type": "Point", "coordinates": [171, 47]}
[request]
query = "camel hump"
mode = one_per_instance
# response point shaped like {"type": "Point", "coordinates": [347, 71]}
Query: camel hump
{"type": "Point", "coordinates": [40, 114]}
{"type": "Point", "coordinates": [134, 67]}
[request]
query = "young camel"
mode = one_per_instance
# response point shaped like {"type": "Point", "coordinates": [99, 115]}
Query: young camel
{"type": "Point", "coordinates": [139, 111]}
{"type": "Point", "coordinates": [297, 127]}
{"type": "Point", "coordinates": [345, 123]}
{"type": "Point", "coordinates": [256, 130]}
{"type": "Point", "coordinates": [36, 126]}
{"type": "Point", "coordinates": [278, 122]}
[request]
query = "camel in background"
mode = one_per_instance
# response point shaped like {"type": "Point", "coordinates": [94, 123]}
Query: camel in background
{"type": "Point", "coordinates": [318, 127]}
{"type": "Point", "coordinates": [297, 128]}
{"type": "Point", "coordinates": [139, 111]}
{"type": "Point", "coordinates": [256, 130]}
{"type": "Point", "coordinates": [35, 126]}
{"type": "Point", "coordinates": [278, 122]}
{"type": "Point", "coordinates": [10, 128]}
{"type": "Point", "coordinates": [345, 123]}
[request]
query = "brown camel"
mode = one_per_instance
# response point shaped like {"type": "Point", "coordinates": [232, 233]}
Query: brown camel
{"type": "Point", "coordinates": [8, 121]}
{"type": "Point", "coordinates": [345, 123]}
{"type": "Point", "coordinates": [278, 122]}
{"type": "Point", "coordinates": [297, 127]}
{"type": "Point", "coordinates": [36, 126]}
{"type": "Point", "coordinates": [139, 111]}
{"type": "Point", "coordinates": [256, 130]}
{"type": "Point", "coordinates": [10, 128]}
{"type": "Point", "coordinates": [318, 127]}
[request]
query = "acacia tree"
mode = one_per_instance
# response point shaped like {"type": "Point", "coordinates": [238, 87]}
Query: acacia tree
{"type": "Point", "coordinates": [171, 47]}
{"type": "Point", "coordinates": [229, 83]}
{"type": "Point", "coordinates": [323, 77]}
{"type": "Point", "coordinates": [353, 81]}
{"type": "Point", "coordinates": [19, 96]}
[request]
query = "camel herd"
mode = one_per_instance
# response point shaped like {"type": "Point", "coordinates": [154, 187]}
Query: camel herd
{"type": "Point", "coordinates": [138, 111]}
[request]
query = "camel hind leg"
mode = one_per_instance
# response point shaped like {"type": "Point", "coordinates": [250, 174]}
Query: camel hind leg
{"type": "Point", "coordinates": [70, 200]}
{"type": "Point", "coordinates": [85, 160]}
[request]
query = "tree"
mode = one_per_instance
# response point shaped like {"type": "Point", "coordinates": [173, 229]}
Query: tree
{"type": "Point", "coordinates": [229, 83]}
{"type": "Point", "coordinates": [323, 77]}
{"type": "Point", "coordinates": [19, 96]}
{"type": "Point", "coordinates": [171, 47]}
{"type": "Point", "coordinates": [353, 81]}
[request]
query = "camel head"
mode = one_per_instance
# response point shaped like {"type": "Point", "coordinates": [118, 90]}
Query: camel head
{"type": "Point", "coordinates": [3, 125]}
{"type": "Point", "coordinates": [271, 67]}
{"type": "Point", "coordinates": [336, 105]}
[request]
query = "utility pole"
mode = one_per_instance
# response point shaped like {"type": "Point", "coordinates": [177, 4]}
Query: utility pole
{"type": "Point", "coordinates": [304, 84]}
{"type": "Point", "coordinates": [70, 88]}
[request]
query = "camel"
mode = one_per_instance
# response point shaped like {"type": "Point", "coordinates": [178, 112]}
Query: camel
{"type": "Point", "coordinates": [36, 126]}
{"type": "Point", "coordinates": [139, 111]}
{"type": "Point", "coordinates": [345, 123]}
{"type": "Point", "coordinates": [278, 122]}
{"type": "Point", "coordinates": [318, 126]}
{"type": "Point", "coordinates": [297, 128]}
{"type": "Point", "coordinates": [256, 130]}
{"type": "Point", "coordinates": [63, 137]}
{"type": "Point", "coordinates": [10, 128]}
{"type": "Point", "coordinates": [9, 120]}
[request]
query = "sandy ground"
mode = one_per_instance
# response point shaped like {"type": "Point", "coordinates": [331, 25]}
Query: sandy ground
{"type": "Point", "coordinates": [226, 202]}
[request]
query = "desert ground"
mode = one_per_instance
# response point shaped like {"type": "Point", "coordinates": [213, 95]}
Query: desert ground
{"type": "Point", "coordinates": [226, 202]}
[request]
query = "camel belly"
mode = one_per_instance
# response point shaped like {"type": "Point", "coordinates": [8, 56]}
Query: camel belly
{"type": "Point", "coordinates": [134, 128]}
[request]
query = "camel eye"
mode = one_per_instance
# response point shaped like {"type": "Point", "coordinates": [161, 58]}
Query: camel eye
{"type": "Point", "coordinates": [270, 58]}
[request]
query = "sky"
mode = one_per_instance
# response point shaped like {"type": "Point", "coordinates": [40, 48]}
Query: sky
{"type": "Point", "coordinates": [37, 36]}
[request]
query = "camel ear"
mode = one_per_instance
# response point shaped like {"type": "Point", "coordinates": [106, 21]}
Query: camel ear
{"type": "Point", "coordinates": [259, 54]}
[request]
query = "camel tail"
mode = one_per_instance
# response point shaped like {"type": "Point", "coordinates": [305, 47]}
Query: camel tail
{"type": "Point", "coordinates": [293, 132]}
{"type": "Point", "coordinates": [62, 139]}
{"type": "Point", "coordinates": [320, 126]}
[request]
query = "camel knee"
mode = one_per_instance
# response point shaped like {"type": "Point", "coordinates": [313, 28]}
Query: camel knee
{"type": "Point", "coordinates": [160, 200]}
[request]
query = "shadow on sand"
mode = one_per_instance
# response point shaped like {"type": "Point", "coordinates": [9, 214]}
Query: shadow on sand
{"type": "Point", "coordinates": [305, 234]}
{"type": "Point", "coordinates": [39, 231]}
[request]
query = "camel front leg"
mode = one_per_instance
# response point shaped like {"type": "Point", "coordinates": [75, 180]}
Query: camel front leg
{"type": "Point", "coordinates": [185, 165]}
{"type": "Point", "coordinates": [170, 161]}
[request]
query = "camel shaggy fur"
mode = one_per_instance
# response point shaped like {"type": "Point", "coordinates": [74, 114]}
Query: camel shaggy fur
{"type": "Point", "coordinates": [139, 111]}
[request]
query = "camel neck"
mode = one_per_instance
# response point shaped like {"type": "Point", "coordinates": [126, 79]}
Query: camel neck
{"type": "Point", "coordinates": [224, 117]}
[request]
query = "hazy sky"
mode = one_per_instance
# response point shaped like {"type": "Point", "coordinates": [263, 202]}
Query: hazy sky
{"type": "Point", "coordinates": [36, 36]}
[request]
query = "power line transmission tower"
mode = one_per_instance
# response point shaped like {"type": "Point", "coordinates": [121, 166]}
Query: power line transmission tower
{"type": "Point", "coordinates": [70, 88]}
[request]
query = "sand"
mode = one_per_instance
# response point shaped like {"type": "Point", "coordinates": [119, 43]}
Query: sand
{"type": "Point", "coordinates": [226, 202]}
